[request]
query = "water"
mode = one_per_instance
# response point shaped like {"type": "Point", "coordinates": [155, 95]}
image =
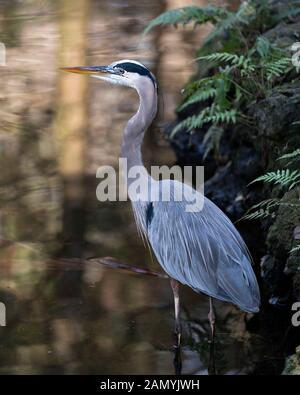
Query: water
{"type": "Point", "coordinates": [65, 316]}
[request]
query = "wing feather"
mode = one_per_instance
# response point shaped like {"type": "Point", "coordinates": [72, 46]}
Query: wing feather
{"type": "Point", "coordinates": [203, 250]}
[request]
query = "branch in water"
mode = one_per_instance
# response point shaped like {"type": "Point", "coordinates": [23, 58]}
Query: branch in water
{"type": "Point", "coordinates": [76, 263]}
{"type": "Point", "coordinates": [114, 264]}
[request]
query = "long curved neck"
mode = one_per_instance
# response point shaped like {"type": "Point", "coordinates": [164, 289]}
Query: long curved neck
{"type": "Point", "coordinates": [137, 125]}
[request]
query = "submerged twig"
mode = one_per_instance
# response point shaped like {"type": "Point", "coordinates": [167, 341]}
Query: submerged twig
{"type": "Point", "coordinates": [77, 263]}
{"type": "Point", "coordinates": [115, 264]}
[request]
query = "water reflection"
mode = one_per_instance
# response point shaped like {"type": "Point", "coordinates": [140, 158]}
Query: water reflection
{"type": "Point", "coordinates": [56, 129]}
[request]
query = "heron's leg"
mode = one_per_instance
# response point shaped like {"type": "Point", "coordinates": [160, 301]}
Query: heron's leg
{"type": "Point", "coordinates": [177, 358]}
{"type": "Point", "coordinates": [212, 321]}
{"type": "Point", "coordinates": [175, 288]}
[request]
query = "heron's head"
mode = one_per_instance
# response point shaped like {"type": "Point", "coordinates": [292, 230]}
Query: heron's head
{"type": "Point", "coordinates": [123, 72]}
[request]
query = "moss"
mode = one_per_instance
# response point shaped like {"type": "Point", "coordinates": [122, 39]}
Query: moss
{"type": "Point", "coordinates": [292, 365]}
{"type": "Point", "coordinates": [280, 235]}
{"type": "Point", "coordinates": [274, 114]}
{"type": "Point", "coordinates": [292, 265]}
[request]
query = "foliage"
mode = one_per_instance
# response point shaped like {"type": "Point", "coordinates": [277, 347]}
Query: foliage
{"type": "Point", "coordinates": [247, 68]}
{"type": "Point", "coordinates": [239, 78]}
{"type": "Point", "coordinates": [295, 249]}
{"type": "Point", "coordinates": [293, 156]}
{"type": "Point", "coordinates": [189, 14]}
{"type": "Point", "coordinates": [286, 178]}
{"type": "Point", "coordinates": [223, 19]}
{"type": "Point", "coordinates": [236, 20]}
{"type": "Point", "coordinates": [200, 95]}
{"type": "Point", "coordinates": [212, 139]}
{"type": "Point", "coordinates": [244, 73]}
{"type": "Point", "coordinates": [213, 114]}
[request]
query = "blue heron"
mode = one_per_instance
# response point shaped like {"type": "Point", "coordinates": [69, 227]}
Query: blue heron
{"type": "Point", "coordinates": [200, 249]}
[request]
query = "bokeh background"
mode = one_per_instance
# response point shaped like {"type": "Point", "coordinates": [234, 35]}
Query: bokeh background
{"type": "Point", "coordinates": [56, 130]}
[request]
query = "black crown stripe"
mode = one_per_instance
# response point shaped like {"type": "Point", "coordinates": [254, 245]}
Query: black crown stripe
{"type": "Point", "coordinates": [136, 68]}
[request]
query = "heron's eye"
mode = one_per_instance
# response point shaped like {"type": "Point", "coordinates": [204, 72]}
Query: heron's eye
{"type": "Point", "coordinates": [119, 70]}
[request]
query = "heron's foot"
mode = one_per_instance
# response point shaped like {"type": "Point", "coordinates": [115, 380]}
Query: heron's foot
{"type": "Point", "coordinates": [177, 357]}
{"type": "Point", "coordinates": [177, 334]}
{"type": "Point", "coordinates": [212, 323]}
{"type": "Point", "coordinates": [212, 368]}
{"type": "Point", "coordinates": [177, 338]}
{"type": "Point", "coordinates": [212, 360]}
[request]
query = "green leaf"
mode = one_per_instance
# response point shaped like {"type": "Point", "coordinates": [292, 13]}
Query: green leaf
{"type": "Point", "coordinates": [258, 214]}
{"type": "Point", "coordinates": [262, 46]}
{"type": "Point", "coordinates": [292, 155]}
{"type": "Point", "coordinates": [185, 15]}
{"type": "Point", "coordinates": [285, 178]}
{"type": "Point", "coordinates": [212, 139]}
{"type": "Point", "coordinates": [212, 114]}
{"type": "Point", "coordinates": [222, 89]}
{"type": "Point", "coordinates": [295, 249]}
{"type": "Point", "coordinates": [263, 209]}
{"type": "Point", "coordinates": [278, 67]}
{"type": "Point", "coordinates": [245, 64]}
{"type": "Point", "coordinates": [199, 96]}
{"type": "Point", "coordinates": [243, 17]}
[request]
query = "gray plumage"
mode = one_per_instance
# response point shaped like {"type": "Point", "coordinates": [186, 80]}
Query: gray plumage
{"type": "Point", "coordinates": [200, 249]}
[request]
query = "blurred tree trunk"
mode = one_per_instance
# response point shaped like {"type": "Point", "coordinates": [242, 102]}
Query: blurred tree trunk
{"type": "Point", "coordinates": [72, 99]}
{"type": "Point", "coordinates": [156, 151]}
{"type": "Point", "coordinates": [72, 119]}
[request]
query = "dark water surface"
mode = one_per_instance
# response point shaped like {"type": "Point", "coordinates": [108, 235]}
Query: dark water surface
{"type": "Point", "coordinates": [67, 317]}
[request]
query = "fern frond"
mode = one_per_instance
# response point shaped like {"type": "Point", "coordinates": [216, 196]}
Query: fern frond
{"type": "Point", "coordinates": [184, 15]}
{"type": "Point", "coordinates": [266, 208]}
{"type": "Point", "coordinates": [227, 116]}
{"type": "Point", "coordinates": [285, 178]}
{"type": "Point", "coordinates": [193, 122]}
{"type": "Point", "coordinates": [222, 57]}
{"type": "Point", "coordinates": [199, 96]}
{"type": "Point", "coordinates": [291, 155]}
{"type": "Point", "coordinates": [295, 249]}
{"type": "Point", "coordinates": [259, 214]}
{"type": "Point", "coordinates": [212, 114]}
{"type": "Point", "coordinates": [278, 67]}
{"type": "Point", "coordinates": [243, 16]}
{"type": "Point", "coordinates": [262, 46]}
{"type": "Point", "coordinates": [263, 209]}
{"type": "Point", "coordinates": [268, 203]}
{"type": "Point", "coordinates": [203, 83]}
{"type": "Point", "coordinates": [212, 139]}
{"type": "Point", "coordinates": [239, 61]}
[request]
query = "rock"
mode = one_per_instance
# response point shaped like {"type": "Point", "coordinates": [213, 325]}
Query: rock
{"type": "Point", "coordinates": [284, 35]}
{"type": "Point", "coordinates": [246, 163]}
{"type": "Point", "coordinates": [223, 187]}
{"type": "Point", "coordinates": [292, 364]}
{"type": "Point", "coordinates": [275, 114]}
{"type": "Point", "coordinates": [280, 240]}
{"type": "Point", "coordinates": [280, 236]}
